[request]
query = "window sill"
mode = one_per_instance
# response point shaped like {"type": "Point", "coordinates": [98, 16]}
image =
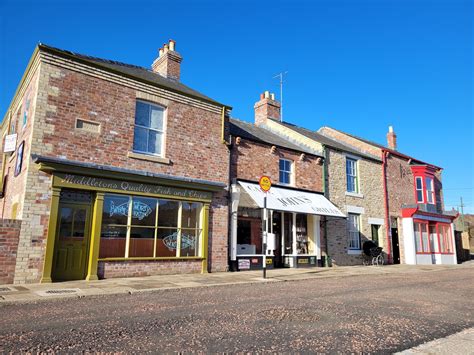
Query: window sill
{"type": "Point", "coordinates": [147, 157]}
{"type": "Point", "coordinates": [354, 252]}
{"type": "Point", "coordinates": [354, 194]}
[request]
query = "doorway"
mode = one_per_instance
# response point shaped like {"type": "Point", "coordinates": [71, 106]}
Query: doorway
{"type": "Point", "coordinates": [395, 246]}
{"type": "Point", "coordinates": [72, 242]}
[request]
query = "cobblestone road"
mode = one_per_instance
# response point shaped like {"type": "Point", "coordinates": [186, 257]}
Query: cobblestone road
{"type": "Point", "coordinates": [385, 313]}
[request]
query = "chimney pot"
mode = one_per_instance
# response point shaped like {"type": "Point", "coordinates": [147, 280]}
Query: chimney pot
{"type": "Point", "coordinates": [267, 94]}
{"type": "Point", "coordinates": [172, 44]}
{"type": "Point", "coordinates": [272, 95]}
{"type": "Point", "coordinates": [160, 52]}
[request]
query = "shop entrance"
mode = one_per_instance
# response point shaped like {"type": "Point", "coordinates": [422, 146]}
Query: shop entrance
{"type": "Point", "coordinates": [72, 241]}
{"type": "Point", "coordinates": [395, 246]}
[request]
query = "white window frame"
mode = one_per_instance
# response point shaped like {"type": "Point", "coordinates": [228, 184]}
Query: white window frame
{"type": "Point", "coordinates": [353, 231]}
{"type": "Point", "coordinates": [429, 190]}
{"type": "Point", "coordinates": [420, 178]}
{"type": "Point", "coordinates": [355, 174]}
{"type": "Point", "coordinates": [162, 131]}
{"type": "Point", "coordinates": [290, 172]}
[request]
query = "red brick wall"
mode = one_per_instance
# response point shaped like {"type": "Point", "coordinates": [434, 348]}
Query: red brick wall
{"type": "Point", "coordinates": [251, 160]}
{"type": "Point", "coordinates": [9, 236]}
{"type": "Point", "coordinates": [138, 268]}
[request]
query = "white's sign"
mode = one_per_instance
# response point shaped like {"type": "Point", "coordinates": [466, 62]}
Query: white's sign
{"type": "Point", "coordinates": [280, 199]}
{"type": "Point", "coordinates": [10, 143]}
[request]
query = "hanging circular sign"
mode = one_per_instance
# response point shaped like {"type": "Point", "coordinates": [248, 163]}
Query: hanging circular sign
{"type": "Point", "coordinates": [265, 183]}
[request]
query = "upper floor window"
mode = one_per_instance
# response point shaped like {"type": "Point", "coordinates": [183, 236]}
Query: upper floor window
{"type": "Point", "coordinates": [352, 175]}
{"type": "Point", "coordinates": [419, 189]}
{"type": "Point", "coordinates": [148, 132]}
{"type": "Point", "coordinates": [429, 190]}
{"type": "Point", "coordinates": [286, 171]}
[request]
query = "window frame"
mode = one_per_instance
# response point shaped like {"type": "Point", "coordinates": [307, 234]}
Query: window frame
{"type": "Point", "coordinates": [419, 178]}
{"type": "Point", "coordinates": [199, 230]}
{"type": "Point", "coordinates": [427, 230]}
{"type": "Point", "coordinates": [289, 172]}
{"type": "Point", "coordinates": [355, 176]}
{"type": "Point", "coordinates": [431, 191]}
{"type": "Point", "coordinates": [447, 239]}
{"type": "Point", "coordinates": [162, 132]}
{"type": "Point", "coordinates": [352, 232]}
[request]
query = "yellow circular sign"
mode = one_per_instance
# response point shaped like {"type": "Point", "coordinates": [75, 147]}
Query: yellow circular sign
{"type": "Point", "coordinates": [265, 183]}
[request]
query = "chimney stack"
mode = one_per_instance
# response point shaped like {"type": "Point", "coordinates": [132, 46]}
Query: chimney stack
{"type": "Point", "coordinates": [267, 108]}
{"type": "Point", "coordinates": [168, 62]}
{"type": "Point", "coordinates": [391, 138]}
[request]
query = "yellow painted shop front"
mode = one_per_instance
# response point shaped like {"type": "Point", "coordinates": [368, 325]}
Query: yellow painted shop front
{"type": "Point", "coordinates": [124, 222]}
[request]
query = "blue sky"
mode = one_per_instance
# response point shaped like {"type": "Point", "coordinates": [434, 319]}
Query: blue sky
{"type": "Point", "coordinates": [358, 66]}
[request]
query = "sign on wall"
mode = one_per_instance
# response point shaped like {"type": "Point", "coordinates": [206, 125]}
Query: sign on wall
{"type": "Point", "coordinates": [10, 143]}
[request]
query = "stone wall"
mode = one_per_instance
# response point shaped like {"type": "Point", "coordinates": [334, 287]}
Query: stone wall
{"type": "Point", "coordinates": [369, 203]}
{"type": "Point", "coordinates": [9, 236]}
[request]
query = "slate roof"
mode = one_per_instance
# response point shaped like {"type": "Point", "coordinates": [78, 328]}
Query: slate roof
{"type": "Point", "coordinates": [329, 142]}
{"type": "Point", "coordinates": [396, 152]}
{"type": "Point", "coordinates": [132, 71]}
{"type": "Point", "coordinates": [251, 132]}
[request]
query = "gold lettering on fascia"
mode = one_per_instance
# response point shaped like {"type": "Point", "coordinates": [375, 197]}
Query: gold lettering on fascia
{"type": "Point", "coordinates": [132, 187]}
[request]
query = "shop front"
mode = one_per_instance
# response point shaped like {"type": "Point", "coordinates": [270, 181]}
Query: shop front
{"type": "Point", "coordinates": [294, 234]}
{"type": "Point", "coordinates": [116, 224]}
{"type": "Point", "coordinates": [428, 237]}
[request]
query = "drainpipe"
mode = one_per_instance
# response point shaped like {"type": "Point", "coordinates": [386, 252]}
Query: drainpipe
{"type": "Point", "coordinates": [385, 200]}
{"type": "Point", "coordinates": [325, 192]}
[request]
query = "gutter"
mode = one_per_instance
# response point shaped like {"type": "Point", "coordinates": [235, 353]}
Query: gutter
{"type": "Point", "coordinates": [386, 206]}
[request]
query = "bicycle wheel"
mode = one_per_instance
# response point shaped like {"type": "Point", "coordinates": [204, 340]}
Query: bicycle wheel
{"type": "Point", "coordinates": [380, 260]}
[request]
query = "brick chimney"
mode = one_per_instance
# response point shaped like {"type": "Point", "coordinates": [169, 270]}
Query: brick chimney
{"type": "Point", "coordinates": [391, 138]}
{"type": "Point", "coordinates": [168, 62]}
{"type": "Point", "coordinates": [267, 108]}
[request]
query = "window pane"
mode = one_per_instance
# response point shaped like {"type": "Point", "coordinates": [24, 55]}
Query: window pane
{"type": "Point", "coordinates": [156, 121]}
{"type": "Point", "coordinates": [154, 142]}
{"type": "Point", "coordinates": [65, 222]}
{"type": "Point", "coordinates": [189, 242]}
{"type": "Point", "coordinates": [143, 211]}
{"type": "Point", "coordinates": [302, 244]}
{"type": "Point", "coordinates": [168, 213]}
{"type": "Point", "coordinates": [190, 215]}
{"type": "Point", "coordinates": [166, 242]}
{"type": "Point", "coordinates": [112, 242]}
{"type": "Point", "coordinates": [141, 242]}
{"type": "Point", "coordinates": [79, 223]}
{"type": "Point", "coordinates": [353, 227]}
{"type": "Point", "coordinates": [115, 209]}
{"type": "Point", "coordinates": [142, 114]}
{"type": "Point", "coordinates": [419, 195]}
{"type": "Point", "coordinates": [140, 139]}
{"type": "Point", "coordinates": [433, 235]}
{"type": "Point", "coordinates": [418, 237]}
{"type": "Point", "coordinates": [419, 184]}
{"type": "Point", "coordinates": [288, 230]}
{"type": "Point", "coordinates": [424, 237]}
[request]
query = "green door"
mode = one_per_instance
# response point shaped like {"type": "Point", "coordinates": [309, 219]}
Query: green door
{"type": "Point", "coordinates": [72, 242]}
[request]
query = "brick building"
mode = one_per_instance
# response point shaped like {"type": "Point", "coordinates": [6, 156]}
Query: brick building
{"type": "Point", "coordinates": [352, 181]}
{"type": "Point", "coordinates": [419, 230]}
{"type": "Point", "coordinates": [295, 201]}
{"type": "Point", "coordinates": [114, 170]}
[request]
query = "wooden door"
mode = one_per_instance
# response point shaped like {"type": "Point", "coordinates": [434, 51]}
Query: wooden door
{"type": "Point", "coordinates": [72, 242]}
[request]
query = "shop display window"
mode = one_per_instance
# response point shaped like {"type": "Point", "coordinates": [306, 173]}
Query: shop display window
{"type": "Point", "coordinates": [135, 226]}
{"type": "Point", "coordinates": [302, 242]}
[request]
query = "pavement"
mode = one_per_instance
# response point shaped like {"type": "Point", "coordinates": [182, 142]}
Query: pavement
{"type": "Point", "coordinates": [460, 343]}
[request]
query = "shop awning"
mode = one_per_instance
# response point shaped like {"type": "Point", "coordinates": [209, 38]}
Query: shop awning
{"type": "Point", "coordinates": [288, 200]}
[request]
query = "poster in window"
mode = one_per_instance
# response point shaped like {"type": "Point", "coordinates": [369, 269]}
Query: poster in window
{"type": "Point", "coordinates": [19, 159]}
